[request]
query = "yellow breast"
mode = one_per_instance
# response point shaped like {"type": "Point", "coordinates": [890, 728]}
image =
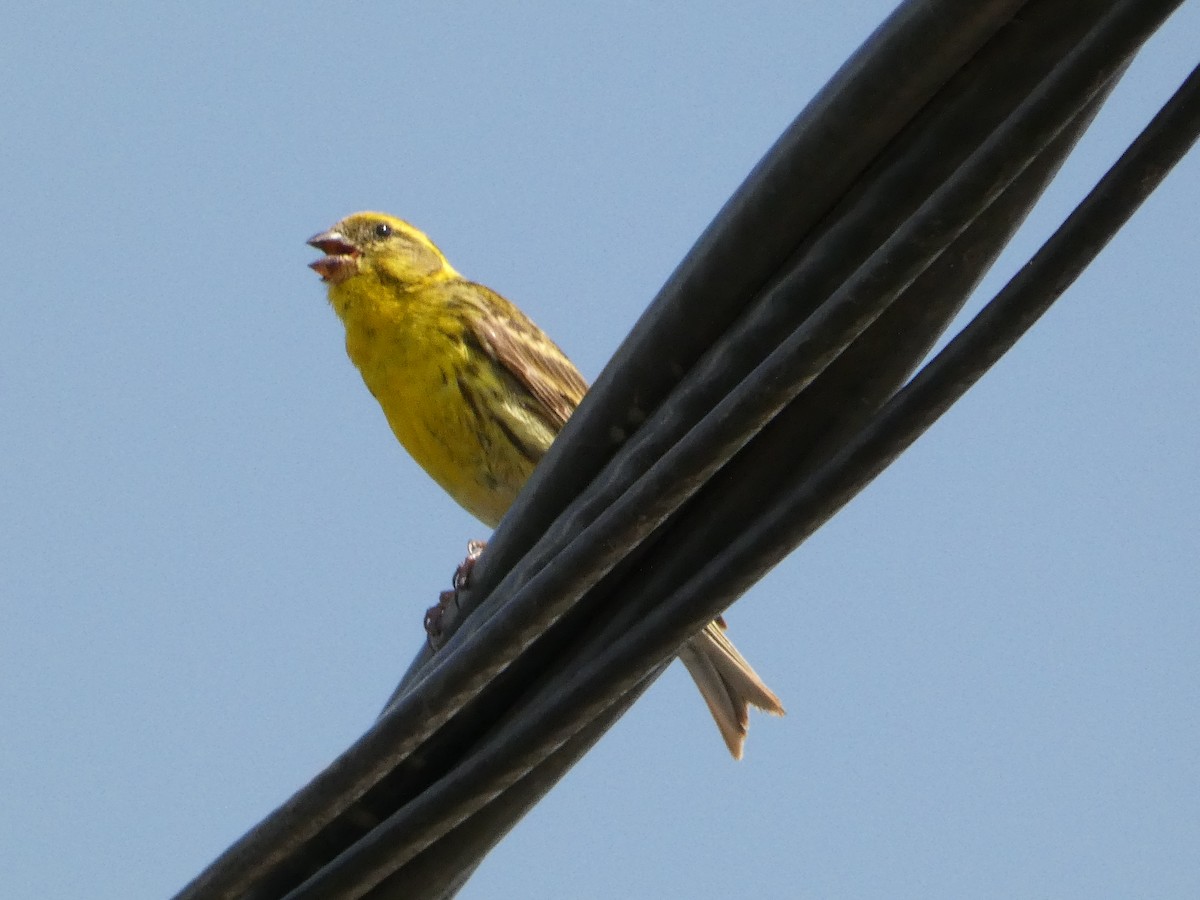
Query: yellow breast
{"type": "Point", "coordinates": [435, 390]}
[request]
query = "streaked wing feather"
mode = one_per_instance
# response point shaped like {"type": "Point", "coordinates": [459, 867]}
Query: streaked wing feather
{"type": "Point", "coordinates": [510, 337]}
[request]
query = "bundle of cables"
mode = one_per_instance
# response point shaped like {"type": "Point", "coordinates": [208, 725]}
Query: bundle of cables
{"type": "Point", "coordinates": [768, 382]}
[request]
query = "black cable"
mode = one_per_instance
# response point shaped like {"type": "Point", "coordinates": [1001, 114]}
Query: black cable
{"type": "Point", "coordinates": [953, 371]}
{"type": "Point", "coordinates": [439, 806]}
{"type": "Point", "coordinates": [575, 572]}
{"type": "Point", "coordinates": [1016, 61]}
{"type": "Point", "coordinates": [896, 73]}
{"type": "Point", "coordinates": [841, 404]}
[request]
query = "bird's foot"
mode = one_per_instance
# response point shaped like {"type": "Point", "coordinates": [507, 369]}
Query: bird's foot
{"type": "Point", "coordinates": [438, 618]}
{"type": "Point", "coordinates": [462, 575]}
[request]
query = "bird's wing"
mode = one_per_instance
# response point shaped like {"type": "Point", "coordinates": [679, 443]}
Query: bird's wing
{"type": "Point", "coordinates": [509, 337]}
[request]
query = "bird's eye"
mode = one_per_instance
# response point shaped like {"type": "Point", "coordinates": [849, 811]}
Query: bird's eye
{"type": "Point", "coordinates": [382, 230]}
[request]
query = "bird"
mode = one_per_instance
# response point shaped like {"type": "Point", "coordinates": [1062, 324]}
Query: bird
{"type": "Point", "coordinates": [476, 393]}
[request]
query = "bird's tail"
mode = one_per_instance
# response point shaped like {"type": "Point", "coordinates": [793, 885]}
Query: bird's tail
{"type": "Point", "coordinates": [727, 683]}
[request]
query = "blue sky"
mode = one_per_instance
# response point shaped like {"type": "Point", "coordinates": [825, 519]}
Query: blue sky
{"type": "Point", "coordinates": [214, 557]}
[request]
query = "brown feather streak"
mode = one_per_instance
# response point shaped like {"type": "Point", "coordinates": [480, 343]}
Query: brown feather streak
{"type": "Point", "coordinates": [549, 377]}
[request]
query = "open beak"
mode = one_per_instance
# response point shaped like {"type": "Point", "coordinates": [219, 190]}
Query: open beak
{"type": "Point", "coordinates": [341, 256]}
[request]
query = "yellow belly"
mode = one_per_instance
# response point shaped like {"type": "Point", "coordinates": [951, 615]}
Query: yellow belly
{"type": "Point", "coordinates": [435, 396]}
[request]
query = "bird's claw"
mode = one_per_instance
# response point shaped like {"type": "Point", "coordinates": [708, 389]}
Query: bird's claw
{"type": "Point", "coordinates": [462, 575]}
{"type": "Point", "coordinates": [434, 616]}
{"type": "Point", "coordinates": [440, 617]}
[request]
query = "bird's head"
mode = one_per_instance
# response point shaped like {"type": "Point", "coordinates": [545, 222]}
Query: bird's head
{"type": "Point", "coordinates": [381, 246]}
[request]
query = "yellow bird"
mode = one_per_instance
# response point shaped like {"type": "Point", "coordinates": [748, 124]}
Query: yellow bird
{"type": "Point", "coordinates": [476, 393]}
